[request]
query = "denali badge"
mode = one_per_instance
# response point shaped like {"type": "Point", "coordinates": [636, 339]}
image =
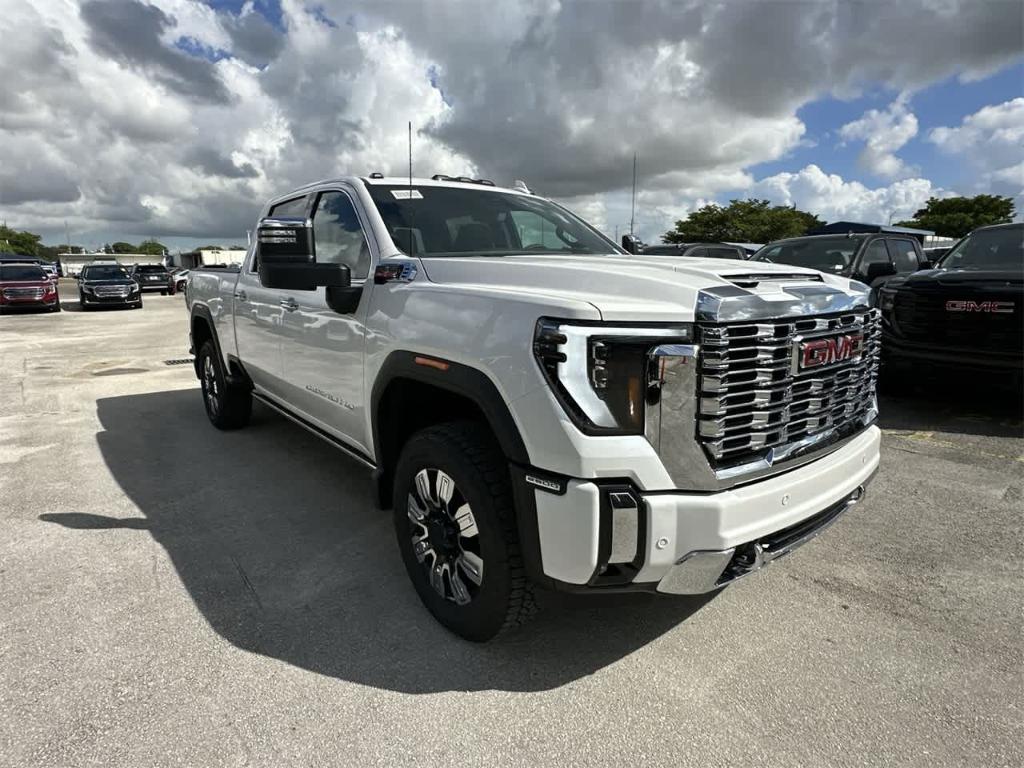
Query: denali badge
{"type": "Point", "coordinates": [812, 353]}
{"type": "Point", "coordinates": [1001, 307]}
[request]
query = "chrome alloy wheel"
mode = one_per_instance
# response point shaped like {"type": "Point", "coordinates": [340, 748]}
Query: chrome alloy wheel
{"type": "Point", "coordinates": [445, 537]}
{"type": "Point", "coordinates": [210, 388]}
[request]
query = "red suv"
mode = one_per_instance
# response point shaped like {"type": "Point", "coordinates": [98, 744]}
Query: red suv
{"type": "Point", "coordinates": [27, 286]}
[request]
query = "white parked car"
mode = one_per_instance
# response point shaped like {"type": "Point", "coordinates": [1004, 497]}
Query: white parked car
{"type": "Point", "coordinates": [538, 406]}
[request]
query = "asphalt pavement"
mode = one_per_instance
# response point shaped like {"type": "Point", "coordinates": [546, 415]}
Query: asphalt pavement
{"type": "Point", "coordinates": [172, 595]}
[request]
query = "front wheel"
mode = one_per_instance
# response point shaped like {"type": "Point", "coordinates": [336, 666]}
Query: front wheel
{"type": "Point", "coordinates": [228, 406]}
{"type": "Point", "coordinates": [456, 529]}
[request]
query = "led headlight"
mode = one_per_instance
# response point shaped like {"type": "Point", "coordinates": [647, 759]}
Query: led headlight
{"type": "Point", "coordinates": [600, 373]}
{"type": "Point", "coordinates": [87, 289]}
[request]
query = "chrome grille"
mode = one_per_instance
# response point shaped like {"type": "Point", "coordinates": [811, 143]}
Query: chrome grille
{"type": "Point", "coordinates": [754, 396]}
{"type": "Point", "coordinates": [110, 292]}
{"type": "Point", "coordinates": [23, 293]}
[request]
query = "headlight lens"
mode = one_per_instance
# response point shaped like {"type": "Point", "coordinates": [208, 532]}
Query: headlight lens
{"type": "Point", "coordinates": [134, 287]}
{"type": "Point", "coordinates": [600, 373]}
{"type": "Point", "coordinates": [886, 300]}
{"type": "Point", "coordinates": [87, 289]}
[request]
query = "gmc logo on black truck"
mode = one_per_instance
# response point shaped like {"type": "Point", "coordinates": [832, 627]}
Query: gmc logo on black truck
{"type": "Point", "coordinates": [999, 307]}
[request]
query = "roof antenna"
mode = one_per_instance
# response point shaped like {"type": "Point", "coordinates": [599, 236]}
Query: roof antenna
{"type": "Point", "coordinates": [632, 215]}
{"type": "Point", "coordinates": [409, 201]}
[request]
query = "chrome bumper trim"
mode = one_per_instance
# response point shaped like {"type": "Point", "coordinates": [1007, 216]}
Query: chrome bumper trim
{"type": "Point", "coordinates": [707, 570]}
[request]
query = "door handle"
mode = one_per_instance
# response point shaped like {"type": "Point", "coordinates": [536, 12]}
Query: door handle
{"type": "Point", "coordinates": [241, 296]}
{"type": "Point", "coordinates": [290, 305]}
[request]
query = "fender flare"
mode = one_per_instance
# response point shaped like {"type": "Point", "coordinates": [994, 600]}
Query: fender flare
{"type": "Point", "coordinates": [233, 366]}
{"type": "Point", "coordinates": [463, 380]}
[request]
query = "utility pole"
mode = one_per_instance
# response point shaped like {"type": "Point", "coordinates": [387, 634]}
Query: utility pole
{"type": "Point", "coordinates": [632, 215]}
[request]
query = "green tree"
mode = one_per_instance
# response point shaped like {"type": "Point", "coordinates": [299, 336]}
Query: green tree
{"type": "Point", "coordinates": [121, 247]}
{"type": "Point", "coordinates": [22, 243]}
{"type": "Point", "coordinates": [152, 248]}
{"type": "Point", "coordinates": [742, 221]}
{"type": "Point", "coordinates": [956, 216]}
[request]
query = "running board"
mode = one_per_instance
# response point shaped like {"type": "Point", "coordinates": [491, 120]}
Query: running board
{"type": "Point", "coordinates": [327, 437]}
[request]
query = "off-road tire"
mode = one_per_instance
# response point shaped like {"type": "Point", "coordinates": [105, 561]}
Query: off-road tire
{"type": "Point", "coordinates": [228, 406]}
{"type": "Point", "coordinates": [467, 452]}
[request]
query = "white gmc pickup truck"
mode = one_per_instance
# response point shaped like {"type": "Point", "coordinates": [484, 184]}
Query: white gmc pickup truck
{"type": "Point", "coordinates": [538, 405]}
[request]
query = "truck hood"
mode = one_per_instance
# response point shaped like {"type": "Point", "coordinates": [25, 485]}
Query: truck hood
{"type": "Point", "coordinates": [937, 279]}
{"type": "Point", "coordinates": [621, 287]}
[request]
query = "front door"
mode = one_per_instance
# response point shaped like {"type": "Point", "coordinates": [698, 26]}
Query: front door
{"type": "Point", "coordinates": [259, 318]}
{"type": "Point", "coordinates": [323, 350]}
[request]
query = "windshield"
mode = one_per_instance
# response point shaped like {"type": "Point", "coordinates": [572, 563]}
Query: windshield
{"type": "Point", "coordinates": [828, 254]}
{"type": "Point", "coordinates": [451, 221]}
{"type": "Point", "coordinates": [988, 249]}
{"type": "Point", "coordinates": [21, 272]}
{"type": "Point", "coordinates": [105, 272]}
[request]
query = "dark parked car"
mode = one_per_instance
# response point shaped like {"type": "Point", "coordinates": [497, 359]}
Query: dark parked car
{"type": "Point", "coordinates": [108, 285]}
{"type": "Point", "coordinates": [870, 258]}
{"type": "Point", "coordinates": [966, 313]}
{"type": "Point", "coordinates": [26, 286]}
{"type": "Point", "coordinates": [151, 277]}
{"type": "Point", "coordinates": [696, 250]}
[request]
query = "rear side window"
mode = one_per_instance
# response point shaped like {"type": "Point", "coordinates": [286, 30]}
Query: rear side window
{"type": "Point", "coordinates": [875, 253]}
{"type": "Point", "coordinates": [904, 255]}
{"type": "Point", "coordinates": [339, 235]}
{"type": "Point", "coordinates": [697, 253]}
{"type": "Point", "coordinates": [296, 207]}
{"type": "Point", "coordinates": [725, 253]}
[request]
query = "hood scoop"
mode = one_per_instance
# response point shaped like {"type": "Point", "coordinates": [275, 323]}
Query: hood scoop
{"type": "Point", "coordinates": [754, 280]}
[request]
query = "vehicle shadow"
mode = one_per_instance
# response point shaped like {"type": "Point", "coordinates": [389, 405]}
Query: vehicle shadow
{"type": "Point", "coordinates": [277, 538]}
{"type": "Point", "coordinates": [953, 405]}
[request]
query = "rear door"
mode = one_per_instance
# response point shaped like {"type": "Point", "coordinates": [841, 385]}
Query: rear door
{"type": "Point", "coordinates": [259, 316]}
{"type": "Point", "coordinates": [323, 349]}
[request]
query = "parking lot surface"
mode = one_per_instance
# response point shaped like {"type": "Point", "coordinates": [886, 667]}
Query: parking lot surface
{"type": "Point", "coordinates": [175, 595]}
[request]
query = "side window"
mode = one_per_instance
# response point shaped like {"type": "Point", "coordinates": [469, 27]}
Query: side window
{"type": "Point", "coordinates": [338, 235]}
{"type": "Point", "coordinates": [725, 253]}
{"type": "Point", "coordinates": [296, 207]}
{"type": "Point", "coordinates": [697, 253]}
{"type": "Point", "coordinates": [875, 253]}
{"type": "Point", "coordinates": [904, 255]}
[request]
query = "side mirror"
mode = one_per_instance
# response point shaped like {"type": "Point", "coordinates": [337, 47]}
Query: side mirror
{"type": "Point", "coordinates": [877, 270]}
{"type": "Point", "coordinates": [631, 243]}
{"type": "Point", "coordinates": [304, 277]}
{"type": "Point", "coordinates": [287, 257]}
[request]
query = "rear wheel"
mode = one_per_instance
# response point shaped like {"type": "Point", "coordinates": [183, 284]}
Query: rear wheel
{"type": "Point", "coordinates": [228, 406]}
{"type": "Point", "coordinates": [456, 530]}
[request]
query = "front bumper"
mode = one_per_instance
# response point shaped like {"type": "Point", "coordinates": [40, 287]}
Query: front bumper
{"type": "Point", "coordinates": [691, 543]}
{"type": "Point", "coordinates": [112, 301]}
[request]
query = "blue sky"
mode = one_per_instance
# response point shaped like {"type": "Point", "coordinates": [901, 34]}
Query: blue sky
{"type": "Point", "coordinates": [945, 103]}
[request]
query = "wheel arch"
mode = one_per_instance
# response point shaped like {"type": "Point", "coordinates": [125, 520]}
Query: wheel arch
{"type": "Point", "coordinates": [408, 396]}
{"type": "Point", "coordinates": [202, 329]}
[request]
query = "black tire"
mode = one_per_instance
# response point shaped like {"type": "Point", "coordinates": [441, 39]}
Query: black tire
{"type": "Point", "coordinates": [81, 303]}
{"type": "Point", "coordinates": [228, 406]}
{"type": "Point", "coordinates": [503, 598]}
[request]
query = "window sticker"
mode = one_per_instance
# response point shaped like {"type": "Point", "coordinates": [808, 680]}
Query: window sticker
{"type": "Point", "coordinates": [407, 194]}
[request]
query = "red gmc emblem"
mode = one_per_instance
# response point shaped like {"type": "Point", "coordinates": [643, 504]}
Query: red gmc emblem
{"type": "Point", "coordinates": [1001, 307]}
{"type": "Point", "coordinates": [814, 353]}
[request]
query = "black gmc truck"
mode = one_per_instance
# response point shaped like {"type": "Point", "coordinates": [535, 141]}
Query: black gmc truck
{"type": "Point", "coordinates": [965, 313]}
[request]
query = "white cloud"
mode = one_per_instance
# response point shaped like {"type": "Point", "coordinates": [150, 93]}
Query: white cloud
{"type": "Point", "coordinates": [833, 199]}
{"type": "Point", "coordinates": [161, 142]}
{"type": "Point", "coordinates": [884, 132]}
{"type": "Point", "coordinates": [992, 138]}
